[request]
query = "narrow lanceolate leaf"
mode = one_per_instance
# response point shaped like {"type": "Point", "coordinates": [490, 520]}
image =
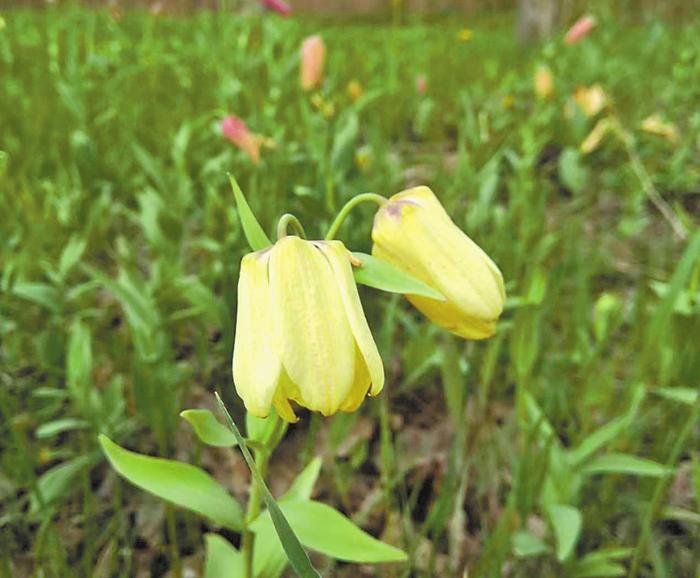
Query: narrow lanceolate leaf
{"type": "Point", "coordinates": [296, 554]}
{"type": "Point", "coordinates": [208, 428]}
{"type": "Point", "coordinates": [254, 233]}
{"type": "Point", "coordinates": [269, 559]}
{"type": "Point", "coordinates": [379, 274]}
{"type": "Point", "coordinates": [327, 531]}
{"type": "Point", "coordinates": [182, 484]}
{"type": "Point", "coordinates": [625, 464]}
{"type": "Point", "coordinates": [566, 523]}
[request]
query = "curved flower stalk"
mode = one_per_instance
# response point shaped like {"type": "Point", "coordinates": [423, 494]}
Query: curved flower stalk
{"type": "Point", "coordinates": [413, 232]}
{"type": "Point", "coordinates": [301, 333]}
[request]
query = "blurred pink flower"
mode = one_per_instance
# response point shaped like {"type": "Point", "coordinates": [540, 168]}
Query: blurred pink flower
{"type": "Point", "coordinates": [313, 58]}
{"type": "Point", "coordinates": [580, 29]}
{"type": "Point", "coordinates": [421, 84]}
{"type": "Point", "coordinates": [279, 6]}
{"type": "Point", "coordinates": [236, 130]}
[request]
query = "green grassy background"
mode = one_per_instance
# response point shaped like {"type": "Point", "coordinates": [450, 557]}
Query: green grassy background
{"type": "Point", "coordinates": [120, 250]}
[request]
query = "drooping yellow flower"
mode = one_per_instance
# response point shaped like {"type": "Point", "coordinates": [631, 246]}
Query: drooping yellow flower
{"type": "Point", "coordinates": [590, 99]}
{"type": "Point", "coordinates": [301, 333]}
{"type": "Point", "coordinates": [655, 125]}
{"type": "Point", "coordinates": [415, 234]}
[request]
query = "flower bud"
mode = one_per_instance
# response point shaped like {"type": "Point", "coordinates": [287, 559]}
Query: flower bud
{"type": "Point", "coordinates": [413, 232]}
{"type": "Point", "coordinates": [313, 58]}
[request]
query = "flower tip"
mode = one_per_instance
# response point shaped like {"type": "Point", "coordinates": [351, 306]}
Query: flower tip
{"type": "Point", "coordinates": [278, 6]}
{"type": "Point", "coordinates": [580, 29]}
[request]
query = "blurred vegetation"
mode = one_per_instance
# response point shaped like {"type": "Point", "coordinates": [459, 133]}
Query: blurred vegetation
{"type": "Point", "coordinates": [571, 433]}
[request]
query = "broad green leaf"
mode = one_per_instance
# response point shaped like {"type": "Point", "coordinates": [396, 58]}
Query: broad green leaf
{"type": "Point", "coordinates": [327, 531]}
{"type": "Point", "coordinates": [379, 274]}
{"type": "Point", "coordinates": [222, 559]}
{"type": "Point", "coordinates": [182, 484]}
{"type": "Point", "coordinates": [686, 395]}
{"type": "Point", "coordinates": [208, 428]}
{"type": "Point", "coordinates": [624, 464]}
{"type": "Point", "coordinates": [254, 233]}
{"type": "Point", "coordinates": [58, 482]}
{"type": "Point", "coordinates": [39, 293]}
{"type": "Point", "coordinates": [58, 426]}
{"type": "Point", "coordinates": [296, 554]}
{"type": "Point", "coordinates": [566, 523]}
{"type": "Point", "coordinates": [525, 544]}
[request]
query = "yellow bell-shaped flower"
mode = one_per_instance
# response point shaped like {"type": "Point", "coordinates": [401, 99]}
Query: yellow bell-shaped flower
{"type": "Point", "coordinates": [301, 333]}
{"type": "Point", "coordinates": [413, 232]}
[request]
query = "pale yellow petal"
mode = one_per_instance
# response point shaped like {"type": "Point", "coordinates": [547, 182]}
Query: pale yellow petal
{"type": "Point", "coordinates": [360, 385]}
{"type": "Point", "coordinates": [256, 363]}
{"type": "Point", "coordinates": [316, 344]}
{"type": "Point", "coordinates": [339, 259]}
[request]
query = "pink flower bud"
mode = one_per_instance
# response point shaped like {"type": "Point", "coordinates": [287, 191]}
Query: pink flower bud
{"type": "Point", "coordinates": [279, 6]}
{"type": "Point", "coordinates": [580, 29]}
{"type": "Point", "coordinates": [236, 131]}
{"type": "Point", "coordinates": [313, 57]}
{"type": "Point", "coordinates": [421, 84]}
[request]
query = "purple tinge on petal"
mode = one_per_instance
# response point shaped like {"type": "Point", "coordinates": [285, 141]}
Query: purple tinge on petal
{"type": "Point", "coordinates": [278, 6]}
{"type": "Point", "coordinates": [394, 207]}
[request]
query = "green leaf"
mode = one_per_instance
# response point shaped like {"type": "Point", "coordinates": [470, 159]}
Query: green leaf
{"type": "Point", "coordinates": [571, 172]}
{"type": "Point", "coordinates": [39, 293]}
{"type": "Point", "coordinates": [269, 559]}
{"type": "Point", "coordinates": [625, 464]}
{"type": "Point", "coordinates": [525, 544]}
{"type": "Point", "coordinates": [71, 254]}
{"type": "Point", "coordinates": [297, 556]}
{"type": "Point", "coordinates": [327, 531]}
{"type": "Point", "coordinates": [599, 564]}
{"type": "Point", "coordinates": [379, 274]}
{"type": "Point", "coordinates": [79, 363]}
{"type": "Point", "coordinates": [182, 484]}
{"type": "Point", "coordinates": [58, 482]}
{"type": "Point", "coordinates": [58, 426]}
{"type": "Point", "coordinates": [686, 395]}
{"type": "Point", "coordinates": [254, 233]}
{"type": "Point", "coordinates": [566, 523]}
{"type": "Point", "coordinates": [598, 439]}
{"type": "Point", "coordinates": [303, 485]}
{"type": "Point", "coordinates": [208, 428]}
{"type": "Point", "coordinates": [222, 559]}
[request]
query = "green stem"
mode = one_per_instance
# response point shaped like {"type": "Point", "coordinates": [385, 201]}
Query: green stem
{"type": "Point", "coordinates": [660, 489]}
{"type": "Point", "coordinates": [349, 206]}
{"type": "Point", "coordinates": [284, 222]}
{"type": "Point", "coordinates": [252, 512]}
{"type": "Point", "coordinates": [262, 458]}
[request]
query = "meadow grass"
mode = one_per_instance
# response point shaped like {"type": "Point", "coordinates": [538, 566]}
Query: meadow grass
{"type": "Point", "coordinates": [566, 445]}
